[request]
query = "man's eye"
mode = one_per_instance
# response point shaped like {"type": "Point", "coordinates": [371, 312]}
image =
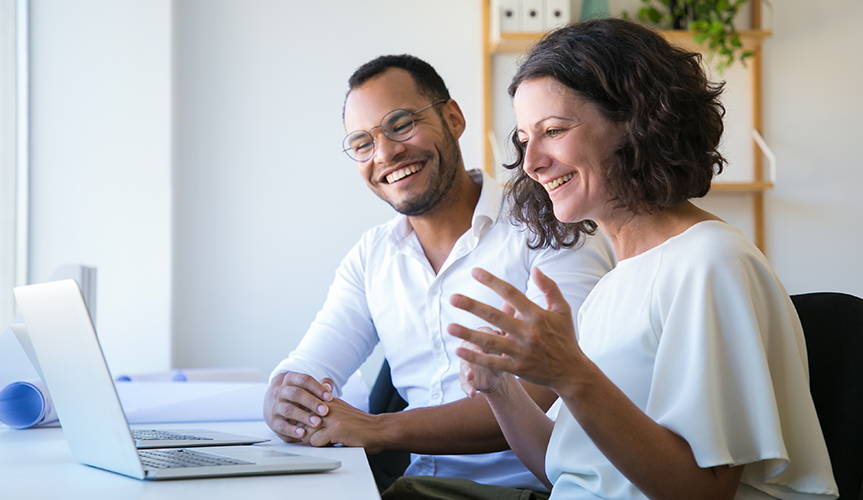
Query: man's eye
{"type": "Point", "coordinates": [401, 127]}
{"type": "Point", "coordinates": [362, 146]}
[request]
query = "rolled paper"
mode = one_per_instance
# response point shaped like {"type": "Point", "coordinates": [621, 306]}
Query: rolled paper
{"type": "Point", "coordinates": [26, 404]}
{"type": "Point", "coordinates": [197, 375]}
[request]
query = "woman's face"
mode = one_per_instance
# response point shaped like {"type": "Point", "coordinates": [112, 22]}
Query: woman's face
{"type": "Point", "coordinates": [568, 147]}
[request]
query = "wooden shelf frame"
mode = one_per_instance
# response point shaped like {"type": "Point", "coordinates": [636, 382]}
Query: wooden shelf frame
{"type": "Point", "coordinates": [753, 39]}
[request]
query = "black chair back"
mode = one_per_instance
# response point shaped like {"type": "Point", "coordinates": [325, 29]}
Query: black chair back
{"type": "Point", "coordinates": [386, 466]}
{"type": "Point", "coordinates": [833, 327]}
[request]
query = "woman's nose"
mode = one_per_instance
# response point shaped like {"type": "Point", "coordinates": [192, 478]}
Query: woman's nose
{"type": "Point", "coordinates": [534, 159]}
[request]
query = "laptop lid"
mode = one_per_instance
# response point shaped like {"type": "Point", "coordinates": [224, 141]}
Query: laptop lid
{"type": "Point", "coordinates": [74, 369]}
{"type": "Point", "coordinates": [85, 399]}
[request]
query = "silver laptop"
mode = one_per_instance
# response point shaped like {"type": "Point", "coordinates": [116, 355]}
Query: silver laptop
{"type": "Point", "coordinates": [151, 438]}
{"type": "Point", "coordinates": [74, 370]}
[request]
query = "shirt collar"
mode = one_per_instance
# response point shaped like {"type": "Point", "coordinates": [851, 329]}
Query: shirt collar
{"type": "Point", "coordinates": [485, 214]}
{"type": "Point", "coordinates": [488, 206]}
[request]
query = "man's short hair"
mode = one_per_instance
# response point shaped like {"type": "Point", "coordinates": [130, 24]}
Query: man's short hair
{"type": "Point", "coordinates": [428, 81]}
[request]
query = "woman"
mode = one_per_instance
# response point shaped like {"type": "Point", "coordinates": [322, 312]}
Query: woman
{"type": "Point", "coordinates": [689, 379]}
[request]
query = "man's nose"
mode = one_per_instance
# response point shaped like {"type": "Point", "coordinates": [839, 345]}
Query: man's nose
{"type": "Point", "coordinates": [386, 149]}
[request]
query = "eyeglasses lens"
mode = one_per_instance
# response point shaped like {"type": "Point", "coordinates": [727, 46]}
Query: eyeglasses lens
{"type": "Point", "coordinates": [397, 125]}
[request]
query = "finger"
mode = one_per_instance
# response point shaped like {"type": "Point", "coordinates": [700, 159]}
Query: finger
{"type": "Point", "coordinates": [304, 390]}
{"type": "Point", "coordinates": [328, 385]}
{"type": "Point", "coordinates": [464, 377]}
{"type": "Point", "coordinates": [553, 296]}
{"type": "Point", "coordinates": [471, 345]}
{"type": "Point", "coordinates": [285, 434]}
{"type": "Point", "coordinates": [321, 390]}
{"type": "Point", "coordinates": [290, 412]}
{"type": "Point", "coordinates": [492, 315]}
{"type": "Point", "coordinates": [289, 430]}
{"type": "Point", "coordinates": [507, 292]}
{"type": "Point", "coordinates": [507, 308]}
{"type": "Point", "coordinates": [487, 342]}
{"type": "Point", "coordinates": [490, 361]}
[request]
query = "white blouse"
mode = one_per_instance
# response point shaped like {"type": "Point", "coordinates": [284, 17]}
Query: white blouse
{"type": "Point", "coordinates": [700, 334]}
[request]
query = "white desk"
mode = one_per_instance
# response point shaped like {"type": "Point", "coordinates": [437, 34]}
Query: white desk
{"type": "Point", "coordinates": [37, 464]}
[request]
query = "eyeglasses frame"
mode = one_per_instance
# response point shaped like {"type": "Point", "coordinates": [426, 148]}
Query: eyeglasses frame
{"type": "Point", "coordinates": [375, 142]}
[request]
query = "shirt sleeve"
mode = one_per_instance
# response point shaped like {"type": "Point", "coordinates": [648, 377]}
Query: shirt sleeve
{"type": "Point", "coordinates": [342, 334]}
{"type": "Point", "coordinates": [575, 271]}
{"type": "Point", "coordinates": [729, 367]}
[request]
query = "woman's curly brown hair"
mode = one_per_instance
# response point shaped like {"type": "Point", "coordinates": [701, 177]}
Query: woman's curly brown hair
{"type": "Point", "coordinates": [673, 116]}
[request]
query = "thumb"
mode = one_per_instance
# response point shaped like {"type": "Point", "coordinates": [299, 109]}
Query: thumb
{"type": "Point", "coordinates": [553, 297]}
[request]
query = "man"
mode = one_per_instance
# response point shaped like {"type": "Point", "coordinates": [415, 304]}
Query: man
{"type": "Point", "coordinates": [394, 288]}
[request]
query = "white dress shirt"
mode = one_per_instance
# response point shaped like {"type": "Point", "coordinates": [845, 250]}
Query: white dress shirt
{"type": "Point", "coordinates": [386, 291]}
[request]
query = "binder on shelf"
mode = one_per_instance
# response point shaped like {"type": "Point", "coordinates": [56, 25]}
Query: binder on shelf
{"type": "Point", "coordinates": [506, 17]}
{"type": "Point", "coordinates": [557, 13]}
{"type": "Point", "coordinates": [532, 16]}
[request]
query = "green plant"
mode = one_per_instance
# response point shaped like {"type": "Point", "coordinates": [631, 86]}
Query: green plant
{"type": "Point", "coordinates": [711, 21]}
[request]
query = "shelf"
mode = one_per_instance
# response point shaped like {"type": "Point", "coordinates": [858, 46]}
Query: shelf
{"type": "Point", "coordinates": [741, 187]}
{"type": "Point", "coordinates": [517, 43]}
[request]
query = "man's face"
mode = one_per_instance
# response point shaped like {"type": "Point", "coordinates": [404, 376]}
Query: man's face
{"type": "Point", "coordinates": [414, 176]}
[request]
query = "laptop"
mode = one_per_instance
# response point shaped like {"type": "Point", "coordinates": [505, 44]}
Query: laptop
{"type": "Point", "coordinates": [74, 370]}
{"type": "Point", "coordinates": [151, 438]}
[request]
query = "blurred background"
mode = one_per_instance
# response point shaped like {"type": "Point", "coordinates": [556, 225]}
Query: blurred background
{"type": "Point", "coordinates": [190, 150]}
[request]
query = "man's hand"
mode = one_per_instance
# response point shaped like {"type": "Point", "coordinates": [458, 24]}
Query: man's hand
{"type": "Point", "coordinates": [294, 405]}
{"type": "Point", "coordinates": [348, 426]}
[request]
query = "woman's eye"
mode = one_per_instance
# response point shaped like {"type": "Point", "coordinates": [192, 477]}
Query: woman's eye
{"type": "Point", "coordinates": [552, 132]}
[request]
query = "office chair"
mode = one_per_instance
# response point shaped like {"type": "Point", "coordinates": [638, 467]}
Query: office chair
{"type": "Point", "coordinates": [833, 327]}
{"type": "Point", "coordinates": [387, 466]}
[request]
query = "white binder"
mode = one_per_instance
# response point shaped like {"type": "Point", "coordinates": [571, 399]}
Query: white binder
{"type": "Point", "coordinates": [532, 16]}
{"type": "Point", "coordinates": [508, 16]}
{"type": "Point", "coordinates": [557, 13]}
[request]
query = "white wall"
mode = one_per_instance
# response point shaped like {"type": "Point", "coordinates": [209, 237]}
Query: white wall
{"type": "Point", "coordinates": [8, 139]}
{"type": "Point", "coordinates": [266, 204]}
{"type": "Point", "coordinates": [813, 117]}
{"type": "Point", "coordinates": [101, 163]}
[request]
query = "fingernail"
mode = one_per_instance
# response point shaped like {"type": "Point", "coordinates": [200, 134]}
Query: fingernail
{"type": "Point", "coordinates": [328, 396]}
{"type": "Point", "coordinates": [322, 410]}
{"type": "Point", "coordinates": [300, 431]}
{"type": "Point", "coordinates": [314, 420]}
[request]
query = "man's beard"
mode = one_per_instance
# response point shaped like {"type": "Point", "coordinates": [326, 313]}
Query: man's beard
{"type": "Point", "coordinates": [443, 186]}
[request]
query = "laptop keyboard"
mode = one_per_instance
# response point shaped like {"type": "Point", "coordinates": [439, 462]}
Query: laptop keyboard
{"type": "Point", "coordinates": [171, 459]}
{"type": "Point", "coordinates": [150, 435]}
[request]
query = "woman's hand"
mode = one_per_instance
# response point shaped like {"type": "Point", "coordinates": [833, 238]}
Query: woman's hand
{"type": "Point", "coordinates": [539, 345]}
{"type": "Point", "coordinates": [477, 379]}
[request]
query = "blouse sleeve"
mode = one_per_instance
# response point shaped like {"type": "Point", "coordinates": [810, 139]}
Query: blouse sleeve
{"type": "Point", "coordinates": [729, 370]}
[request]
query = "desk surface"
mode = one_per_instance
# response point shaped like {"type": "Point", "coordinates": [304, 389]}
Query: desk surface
{"type": "Point", "coordinates": [37, 463]}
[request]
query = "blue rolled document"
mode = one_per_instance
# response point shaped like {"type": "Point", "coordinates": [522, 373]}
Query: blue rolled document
{"type": "Point", "coordinates": [26, 404]}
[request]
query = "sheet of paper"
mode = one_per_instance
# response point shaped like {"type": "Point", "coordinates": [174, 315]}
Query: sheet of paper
{"type": "Point", "coordinates": [162, 402]}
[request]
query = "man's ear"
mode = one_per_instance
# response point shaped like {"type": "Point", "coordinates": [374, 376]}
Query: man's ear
{"type": "Point", "coordinates": [454, 118]}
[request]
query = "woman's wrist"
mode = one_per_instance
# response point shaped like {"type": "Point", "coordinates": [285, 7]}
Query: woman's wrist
{"type": "Point", "coordinates": [502, 388]}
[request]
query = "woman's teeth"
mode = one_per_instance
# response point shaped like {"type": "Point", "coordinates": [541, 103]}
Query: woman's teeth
{"type": "Point", "coordinates": [557, 182]}
{"type": "Point", "coordinates": [402, 173]}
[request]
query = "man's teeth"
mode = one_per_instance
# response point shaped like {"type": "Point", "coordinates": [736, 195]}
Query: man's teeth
{"type": "Point", "coordinates": [557, 182]}
{"type": "Point", "coordinates": [402, 173]}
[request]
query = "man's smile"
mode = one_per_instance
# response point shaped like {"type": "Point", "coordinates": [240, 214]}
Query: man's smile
{"type": "Point", "coordinates": [404, 172]}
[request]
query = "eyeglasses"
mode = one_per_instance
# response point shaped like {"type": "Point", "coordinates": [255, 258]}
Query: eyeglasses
{"type": "Point", "coordinates": [397, 125]}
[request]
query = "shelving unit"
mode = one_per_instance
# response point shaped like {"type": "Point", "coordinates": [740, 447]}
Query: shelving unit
{"type": "Point", "coordinates": [518, 43]}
